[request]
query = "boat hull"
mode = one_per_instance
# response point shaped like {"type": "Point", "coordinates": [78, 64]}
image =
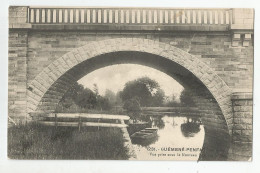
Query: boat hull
{"type": "Point", "coordinates": [146, 133]}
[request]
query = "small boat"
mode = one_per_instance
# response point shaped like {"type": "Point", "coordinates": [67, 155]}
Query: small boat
{"type": "Point", "coordinates": [146, 133]}
{"type": "Point", "coordinates": [138, 123]}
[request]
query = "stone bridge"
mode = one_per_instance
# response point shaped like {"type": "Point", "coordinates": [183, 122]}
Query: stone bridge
{"type": "Point", "coordinates": [208, 51]}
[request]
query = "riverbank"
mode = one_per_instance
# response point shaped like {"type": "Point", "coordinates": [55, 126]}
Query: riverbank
{"type": "Point", "coordinates": [178, 110]}
{"type": "Point", "coordinates": [34, 141]}
{"type": "Point", "coordinates": [120, 110]}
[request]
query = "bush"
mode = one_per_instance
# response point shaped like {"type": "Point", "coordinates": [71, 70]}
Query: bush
{"type": "Point", "coordinates": [104, 103]}
{"type": "Point", "coordinates": [133, 108]}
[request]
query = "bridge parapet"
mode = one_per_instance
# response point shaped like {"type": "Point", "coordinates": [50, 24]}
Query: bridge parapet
{"type": "Point", "coordinates": [147, 16]}
{"type": "Point", "coordinates": [160, 19]}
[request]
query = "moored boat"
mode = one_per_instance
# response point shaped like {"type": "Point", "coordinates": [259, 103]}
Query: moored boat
{"type": "Point", "coordinates": [146, 133]}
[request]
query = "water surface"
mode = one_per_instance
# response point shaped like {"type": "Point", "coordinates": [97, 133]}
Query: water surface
{"type": "Point", "coordinates": [179, 138]}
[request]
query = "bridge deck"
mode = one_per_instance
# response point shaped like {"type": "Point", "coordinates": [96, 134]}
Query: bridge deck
{"type": "Point", "coordinates": [58, 119]}
{"type": "Point", "coordinates": [39, 115]}
{"type": "Point", "coordinates": [83, 124]}
{"type": "Point", "coordinates": [86, 115]}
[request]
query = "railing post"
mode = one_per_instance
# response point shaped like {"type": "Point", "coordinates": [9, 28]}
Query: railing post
{"type": "Point", "coordinates": [79, 123]}
{"type": "Point", "coordinates": [57, 15]}
{"type": "Point", "coordinates": [98, 122]}
{"type": "Point", "coordinates": [28, 15]}
{"type": "Point", "coordinates": [224, 17]}
{"type": "Point", "coordinates": [74, 15]}
{"type": "Point", "coordinates": [230, 17]}
{"type": "Point", "coordinates": [40, 15]}
{"type": "Point", "coordinates": [56, 121]}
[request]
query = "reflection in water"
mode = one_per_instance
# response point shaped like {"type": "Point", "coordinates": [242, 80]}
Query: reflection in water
{"type": "Point", "coordinates": [157, 122]}
{"type": "Point", "coordinates": [146, 142]}
{"type": "Point", "coordinates": [190, 127]}
{"type": "Point", "coordinates": [178, 138]}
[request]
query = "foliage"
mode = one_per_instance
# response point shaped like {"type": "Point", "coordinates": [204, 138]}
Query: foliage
{"type": "Point", "coordinates": [158, 98]}
{"type": "Point", "coordinates": [71, 95]}
{"type": "Point", "coordinates": [158, 122]}
{"type": "Point", "coordinates": [111, 96]}
{"type": "Point", "coordinates": [84, 98]}
{"type": "Point", "coordinates": [95, 89]}
{"type": "Point", "coordinates": [119, 101]}
{"type": "Point", "coordinates": [186, 98]}
{"type": "Point", "coordinates": [133, 108]}
{"type": "Point", "coordinates": [145, 89]}
{"type": "Point", "coordinates": [172, 102]}
{"type": "Point", "coordinates": [103, 103]}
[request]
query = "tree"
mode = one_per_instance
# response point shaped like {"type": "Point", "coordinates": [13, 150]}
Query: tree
{"type": "Point", "coordinates": [86, 99]}
{"type": "Point", "coordinates": [145, 89]}
{"type": "Point", "coordinates": [103, 103]}
{"type": "Point", "coordinates": [172, 101]}
{"type": "Point", "coordinates": [111, 96]}
{"type": "Point", "coordinates": [158, 98]}
{"type": "Point", "coordinates": [70, 96]}
{"type": "Point", "coordinates": [73, 91]}
{"type": "Point", "coordinates": [95, 89]}
{"type": "Point", "coordinates": [119, 100]}
{"type": "Point", "coordinates": [186, 98]}
{"type": "Point", "coordinates": [133, 108]}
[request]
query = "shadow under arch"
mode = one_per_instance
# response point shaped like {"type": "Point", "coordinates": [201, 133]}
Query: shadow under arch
{"type": "Point", "coordinates": [211, 93]}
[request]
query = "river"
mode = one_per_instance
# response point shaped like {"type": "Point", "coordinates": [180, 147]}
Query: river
{"type": "Point", "coordinates": [178, 138]}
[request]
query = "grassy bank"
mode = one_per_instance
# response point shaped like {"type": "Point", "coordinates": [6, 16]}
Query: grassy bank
{"type": "Point", "coordinates": [33, 141]}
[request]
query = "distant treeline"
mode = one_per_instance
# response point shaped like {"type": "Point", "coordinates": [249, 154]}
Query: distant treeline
{"type": "Point", "coordinates": [143, 92]}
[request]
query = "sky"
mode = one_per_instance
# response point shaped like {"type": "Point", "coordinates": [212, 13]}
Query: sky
{"type": "Point", "coordinates": [114, 78]}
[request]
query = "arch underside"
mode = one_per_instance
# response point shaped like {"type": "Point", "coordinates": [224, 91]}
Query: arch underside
{"type": "Point", "coordinates": [210, 93]}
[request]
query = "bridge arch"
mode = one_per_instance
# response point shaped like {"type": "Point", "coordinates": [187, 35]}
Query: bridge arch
{"type": "Point", "coordinates": [48, 87]}
{"type": "Point", "coordinates": [43, 81]}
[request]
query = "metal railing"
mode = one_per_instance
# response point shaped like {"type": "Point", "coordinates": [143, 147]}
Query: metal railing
{"type": "Point", "coordinates": [136, 16]}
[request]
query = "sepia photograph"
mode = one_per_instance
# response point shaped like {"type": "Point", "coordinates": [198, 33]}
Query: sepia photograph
{"type": "Point", "coordinates": [130, 86]}
{"type": "Point", "coordinates": [130, 83]}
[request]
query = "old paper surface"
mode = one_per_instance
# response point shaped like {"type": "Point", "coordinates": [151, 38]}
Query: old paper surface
{"type": "Point", "coordinates": [54, 114]}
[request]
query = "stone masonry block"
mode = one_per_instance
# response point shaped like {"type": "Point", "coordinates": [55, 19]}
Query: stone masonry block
{"type": "Point", "coordinates": [54, 70]}
{"type": "Point", "coordinates": [236, 36]}
{"type": "Point", "coordinates": [235, 43]}
{"type": "Point", "coordinates": [245, 43]}
{"type": "Point", "coordinates": [248, 37]}
{"type": "Point", "coordinates": [78, 57]}
{"type": "Point", "coordinates": [72, 58]}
